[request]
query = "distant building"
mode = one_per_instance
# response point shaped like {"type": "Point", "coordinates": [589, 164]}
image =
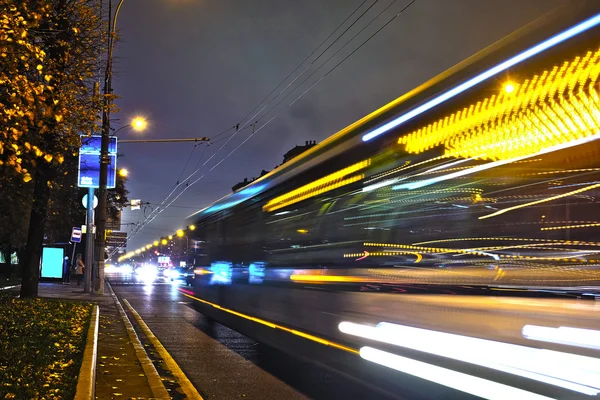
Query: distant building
{"type": "Point", "coordinates": [246, 182]}
{"type": "Point", "coordinates": [286, 157]}
{"type": "Point", "coordinates": [298, 150]}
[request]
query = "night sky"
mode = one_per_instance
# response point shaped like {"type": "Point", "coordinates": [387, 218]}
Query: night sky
{"type": "Point", "coordinates": [196, 67]}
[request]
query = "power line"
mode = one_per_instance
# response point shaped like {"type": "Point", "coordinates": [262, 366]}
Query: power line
{"type": "Point", "coordinates": [289, 84]}
{"type": "Point", "coordinates": [187, 162]}
{"type": "Point", "coordinates": [238, 128]}
{"type": "Point", "coordinates": [323, 77]}
{"type": "Point", "coordinates": [326, 61]}
{"type": "Point", "coordinates": [306, 58]}
{"type": "Point", "coordinates": [160, 208]}
{"type": "Point", "coordinates": [371, 37]}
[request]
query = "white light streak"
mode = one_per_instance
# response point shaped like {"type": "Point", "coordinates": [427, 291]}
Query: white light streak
{"type": "Point", "coordinates": [456, 380]}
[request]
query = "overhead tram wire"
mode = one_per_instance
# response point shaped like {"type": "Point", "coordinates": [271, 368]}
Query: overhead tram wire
{"type": "Point", "coordinates": [326, 74]}
{"type": "Point", "coordinates": [329, 59]}
{"type": "Point", "coordinates": [237, 127]}
{"type": "Point", "coordinates": [160, 208]}
{"type": "Point", "coordinates": [187, 162]}
{"type": "Point", "coordinates": [179, 182]}
{"type": "Point", "coordinates": [255, 131]}
{"type": "Point", "coordinates": [147, 219]}
{"type": "Point", "coordinates": [306, 59]}
{"type": "Point", "coordinates": [245, 124]}
{"type": "Point", "coordinates": [312, 63]}
{"type": "Point", "coordinates": [351, 53]}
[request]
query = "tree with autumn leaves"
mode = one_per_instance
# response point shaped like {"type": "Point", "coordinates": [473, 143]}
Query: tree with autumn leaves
{"type": "Point", "coordinates": [49, 58]}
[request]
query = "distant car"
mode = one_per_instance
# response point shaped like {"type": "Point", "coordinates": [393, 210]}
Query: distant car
{"type": "Point", "coordinates": [185, 274]}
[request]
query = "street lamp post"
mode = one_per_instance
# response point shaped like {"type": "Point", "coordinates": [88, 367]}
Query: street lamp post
{"type": "Point", "coordinates": [104, 158]}
{"type": "Point", "coordinates": [137, 124]}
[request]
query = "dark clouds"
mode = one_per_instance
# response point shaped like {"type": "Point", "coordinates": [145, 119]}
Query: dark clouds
{"type": "Point", "coordinates": [195, 67]}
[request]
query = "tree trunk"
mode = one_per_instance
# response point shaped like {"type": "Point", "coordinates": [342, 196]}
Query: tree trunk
{"type": "Point", "coordinates": [35, 236]}
{"type": "Point", "coordinates": [6, 253]}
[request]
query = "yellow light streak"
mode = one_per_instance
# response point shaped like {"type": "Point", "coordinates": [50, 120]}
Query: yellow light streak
{"type": "Point", "coordinates": [471, 239]}
{"type": "Point", "coordinates": [326, 278]}
{"type": "Point", "coordinates": [322, 185]}
{"type": "Point", "coordinates": [304, 335]}
{"type": "Point", "coordinates": [474, 251]}
{"type": "Point", "coordinates": [202, 272]}
{"type": "Point", "coordinates": [553, 228]}
{"type": "Point", "coordinates": [554, 108]}
{"type": "Point", "coordinates": [386, 253]}
{"type": "Point", "coordinates": [406, 166]}
{"type": "Point", "coordinates": [560, 196]}
{"type": "Point", "coordinates": [565, 171]}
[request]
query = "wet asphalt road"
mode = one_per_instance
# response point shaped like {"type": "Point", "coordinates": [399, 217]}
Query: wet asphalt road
{"type": "Point", "coordinates": [224, 364]}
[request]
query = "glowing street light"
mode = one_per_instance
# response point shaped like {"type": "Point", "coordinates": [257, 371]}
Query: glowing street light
{"type": "Point", "coordinates": [192, 227]}
{"type": "Point", "coordinates": [180, 233]}
{"type": "Point", "coordinates": [170, 237]}
{"type": "Point", "coordinates": [139, 124]}
{"type": "Point", "coordinates": [509, 87]}
{"type": "Point", "coordinates": [155, 243]}
{"type": "Point", "coordinates": [164, 242]}
{"type": "Point", "coordinates": [148, 246]}
{"type": "Point", "coordinates": [123, 172]}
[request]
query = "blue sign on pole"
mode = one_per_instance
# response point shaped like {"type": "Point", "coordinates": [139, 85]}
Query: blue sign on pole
{"type": "Point", "coordinates": [89, 162]}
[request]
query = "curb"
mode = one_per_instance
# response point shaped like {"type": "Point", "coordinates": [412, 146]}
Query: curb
{"type": "Point", "coordinates": [9, 287]}
{"type": "Point", "coordinates": [188, 388]}
{"type": "Point", "coordinates": [156, 384]}
{"type": "Point", "coordinates": [86, 383]}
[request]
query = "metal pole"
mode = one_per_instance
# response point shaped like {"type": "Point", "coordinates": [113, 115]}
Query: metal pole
{"type": "Point", "coordinates": [89, 242]}
{"type": "Point", "coordinates": [73, 256]}
{"type": "Point", "coordinates": [104, 157]}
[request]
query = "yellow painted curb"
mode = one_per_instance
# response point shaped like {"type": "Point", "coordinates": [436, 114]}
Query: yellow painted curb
{"type": "Point", "coordinates": [157, 386]}
{"type": "Point", "coordinates": [188, 389]}
{"type": "Point", "coordinates": [86, 384]}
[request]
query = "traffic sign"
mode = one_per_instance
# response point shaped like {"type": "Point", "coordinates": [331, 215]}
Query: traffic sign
{"type": "Point", "coordinates": [116, 239]}
{"type": "Point", "coordinates": [76, 235]}
{"type": "Point", "coordinates": [84, 201]}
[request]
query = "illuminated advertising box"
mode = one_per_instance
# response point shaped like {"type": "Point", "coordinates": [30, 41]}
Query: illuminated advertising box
{"type": "Point", "coordinates": [52, 262]}
{"type": "Point", "coordinates": [89, 162]}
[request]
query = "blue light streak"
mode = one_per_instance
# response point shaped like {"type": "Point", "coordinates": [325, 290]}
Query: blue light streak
{"type": "Point", "coordinates": [237, 198]}
{"type": "Point", "coordinates": [553, 41]}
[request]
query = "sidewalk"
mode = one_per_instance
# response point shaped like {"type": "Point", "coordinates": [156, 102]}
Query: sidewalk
{"type": "Point", "coordinates": [119, 374]}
